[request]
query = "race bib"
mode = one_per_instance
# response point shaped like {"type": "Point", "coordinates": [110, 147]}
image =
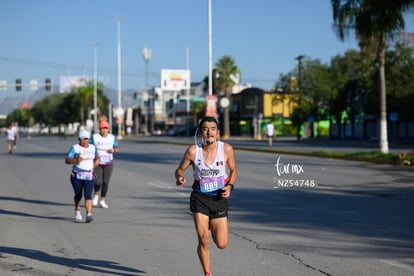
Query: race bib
{"type": "Point", "coordinates": [210, 184]}
{"type": "Point", "coordinates": [105, 159]}
{"type": "Point", "coordinates": [84, 175]}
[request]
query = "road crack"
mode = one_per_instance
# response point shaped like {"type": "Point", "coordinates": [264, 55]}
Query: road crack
{"type": "Point", "coordinates": [288, 254]}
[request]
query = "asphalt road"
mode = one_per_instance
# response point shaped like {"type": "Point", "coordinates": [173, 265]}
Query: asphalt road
{"type": "Point", "coordinates": [290, 215]}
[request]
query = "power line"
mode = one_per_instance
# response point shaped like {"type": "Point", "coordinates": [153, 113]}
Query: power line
{"type": "Point", "coordinates": [63, 66]}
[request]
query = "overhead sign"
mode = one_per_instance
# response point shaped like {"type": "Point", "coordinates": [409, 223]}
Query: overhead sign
{"type": "Point", "coordinates": [3, 85]}
{"type": "Point", "coordinates": [175, 80]}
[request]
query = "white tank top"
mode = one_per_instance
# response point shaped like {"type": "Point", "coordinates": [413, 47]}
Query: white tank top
{"type": "Point", "coordinates": [88, 155]}
{"type": "Point", "coordinates": [210, 178]}
{"type": "Point", "coordinates": [103, 144]}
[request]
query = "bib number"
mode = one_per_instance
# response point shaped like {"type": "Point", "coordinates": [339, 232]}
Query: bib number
{"type": "Point", "coordinates": [210, 184]}
{"type": "Point", "coordinates": [84, 175]}
{"type": "Point", "coordinates": [105, 159]}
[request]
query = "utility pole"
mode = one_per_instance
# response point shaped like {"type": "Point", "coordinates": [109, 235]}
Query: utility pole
{"type": "Point", "coordinates": [299, 59]}
{"type": "Point", "coordinates": [118, 25]}
{"type": "Point", "coordinates": [95, 86]}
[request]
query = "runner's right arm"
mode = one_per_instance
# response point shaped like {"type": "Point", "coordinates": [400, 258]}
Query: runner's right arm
{"type": "Point", "coordinates": [187, 160]}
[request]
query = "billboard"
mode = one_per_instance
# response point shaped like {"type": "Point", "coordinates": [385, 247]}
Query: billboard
{"type": "Point", "coordinates": [71, 83]}
{"type": "Point", "coordinates": [175, 80]}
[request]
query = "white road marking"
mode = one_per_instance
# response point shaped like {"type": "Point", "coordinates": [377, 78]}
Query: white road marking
{"type": "Point", "coordinates": [400, 264]}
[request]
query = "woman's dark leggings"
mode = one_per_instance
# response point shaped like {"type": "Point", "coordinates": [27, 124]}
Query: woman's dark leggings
{"type": "Point", "coordinates": [103, 176]}
{"type": "Point", "coordinates": [82, 186]}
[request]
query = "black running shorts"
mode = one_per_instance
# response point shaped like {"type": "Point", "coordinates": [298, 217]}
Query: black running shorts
{"type": "Point", "coordinates": [213, 207]}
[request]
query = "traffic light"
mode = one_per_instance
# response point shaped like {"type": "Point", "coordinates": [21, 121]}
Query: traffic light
{"type": "Point", "coordinates": [135, 95]}
{"type": "Point", "coordinates": [48, 84]}
{"type": "Point", "coordinates": [18, 85]}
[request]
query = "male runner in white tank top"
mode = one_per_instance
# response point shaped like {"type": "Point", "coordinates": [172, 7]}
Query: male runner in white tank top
{"type": "Point", "coordinates": [211, 187]}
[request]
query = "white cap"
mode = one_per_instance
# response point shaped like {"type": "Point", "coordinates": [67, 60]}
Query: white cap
{"type": "Point", "coordinates": [83, 134]}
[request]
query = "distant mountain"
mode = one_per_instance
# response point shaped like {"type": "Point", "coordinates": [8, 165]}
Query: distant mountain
{"type": "Point", "coordinates": [9, 103]}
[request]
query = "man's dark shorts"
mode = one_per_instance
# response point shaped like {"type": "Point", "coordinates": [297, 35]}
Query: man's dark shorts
{"type": "Point", "coordinates": [213, 207]}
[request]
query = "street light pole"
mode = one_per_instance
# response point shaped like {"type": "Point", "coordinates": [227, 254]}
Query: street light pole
{"type": "Point", "coordinates": [118, 25]}
{"type": "Point", "coordinates": [95, 87]}
{"type": "Point", "coordinates": [188, 102]}
{"type": "Point", "coordinates": [210, 52]}
{"type": "Point", "coordinates": [146, 54]}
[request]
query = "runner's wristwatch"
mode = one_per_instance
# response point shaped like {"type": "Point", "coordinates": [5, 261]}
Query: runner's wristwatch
{"type": "Point", "coordinates": [231, 185]}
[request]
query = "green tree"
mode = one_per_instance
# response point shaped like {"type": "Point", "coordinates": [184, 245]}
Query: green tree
{"type": "Point", "coordinates": [314, 91]}
{"type": "Point", "coordinates": [349, 87]}
{"type": "Point", "coordinates": [82, 101]}
{"type": "Point", "coordinates": [400, 76]}
{"type": "Point", "coordinates": [69, 107]}
{"type": "Point", "coordinates": [226, 72]}
{"type": "Point", "coordinates": [300, 114]}
{"type": "Point", "coordinates": [205, 84]}
{"type": "Point", "coordinates": [21, 116]}
{"type": "Point", "coordinates": [47, 111]}
{"type": "Point", "coordinates": [375, 23]}
{"type": "Point", "coordinates": [317, 89]}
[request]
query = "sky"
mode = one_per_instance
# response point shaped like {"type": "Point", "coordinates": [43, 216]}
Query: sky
{"type": "Point", "coordinates": [52, 38]}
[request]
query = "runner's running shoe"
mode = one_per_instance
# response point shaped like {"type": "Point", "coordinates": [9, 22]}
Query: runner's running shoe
{"type": "Point", "coordinates": [103, 204]}
{"type": "Point", "coordinates": [95, 200]}
{"type": "Point", "coordinates": [78, 216]}
{"type": "Point", "coordinates": [89, 218]}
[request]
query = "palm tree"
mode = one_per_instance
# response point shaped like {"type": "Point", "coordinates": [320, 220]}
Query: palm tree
{"type": "Point", "coordinates": [375, 23]}
{"type": "Point", "coordinates": [84, 98]}
{"type": "Point", "coordinates": [225, 73]}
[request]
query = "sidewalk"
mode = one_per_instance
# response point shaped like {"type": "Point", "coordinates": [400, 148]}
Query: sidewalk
{"type": "Point", "coordinates": [289, 144]}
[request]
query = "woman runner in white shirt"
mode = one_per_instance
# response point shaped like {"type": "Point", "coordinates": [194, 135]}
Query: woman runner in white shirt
{"type": "Point", "coordinates": [106, 144]}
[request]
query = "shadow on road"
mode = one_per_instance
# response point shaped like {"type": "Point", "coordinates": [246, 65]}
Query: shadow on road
{"type": "Point", "coordinates": [98, 266]}
{"type": "Point", "coordinates": [380, 218]}
{"type": "Point", "coordinates": [31, 201]}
